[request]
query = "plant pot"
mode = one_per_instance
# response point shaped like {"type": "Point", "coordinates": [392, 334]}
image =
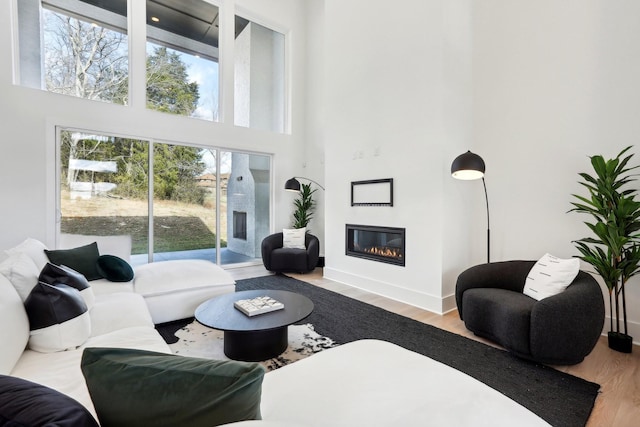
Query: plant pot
{"type": "Point", "coordinates": [620, 342]}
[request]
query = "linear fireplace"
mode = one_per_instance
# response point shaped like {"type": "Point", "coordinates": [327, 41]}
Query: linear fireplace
{"type": "Point", "coordinates": [383, 244]}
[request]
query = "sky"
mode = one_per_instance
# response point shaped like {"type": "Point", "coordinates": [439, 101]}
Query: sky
{"type": "Point", "coordinates": [205, 73]}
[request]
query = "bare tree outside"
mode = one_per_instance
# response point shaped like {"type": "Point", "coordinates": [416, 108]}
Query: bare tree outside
{"type": "Point", "coordinates": [84, 59]}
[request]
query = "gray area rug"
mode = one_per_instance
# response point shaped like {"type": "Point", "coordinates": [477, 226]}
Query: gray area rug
{"type": "Point", "coordinates": [197, 340]}
{"type": "Point", "coordinates": [561, 399]}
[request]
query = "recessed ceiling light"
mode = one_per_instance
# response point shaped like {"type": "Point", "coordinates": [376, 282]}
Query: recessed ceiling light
{"type": "Point", "coordinates": [155, 19]}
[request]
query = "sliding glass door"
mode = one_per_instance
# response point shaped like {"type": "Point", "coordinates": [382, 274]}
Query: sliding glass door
{"type": "Point", "coordinates": [201, 203]}
{"type": "Point", "coordinates": [184, 219]}
{"type": "Point", "coordinates": [103, 186]}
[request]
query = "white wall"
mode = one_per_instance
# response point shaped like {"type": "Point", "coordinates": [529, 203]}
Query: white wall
{"type": "Point", "coordinates": [534, 87]}
{"type": "Point", "coordinates": [397, 105]}
{"type": "Point", "coordinates": [28, 118]}
{"type": "Point", "coordinates": [554, 82]}
{"type": "Point", "coordinates": [312, 164]}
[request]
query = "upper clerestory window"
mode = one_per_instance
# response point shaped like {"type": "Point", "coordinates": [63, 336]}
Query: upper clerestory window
{"type": "Point", "coordinates": [73, 47]}
{"type": "Point", "coordinates": [81, 48]}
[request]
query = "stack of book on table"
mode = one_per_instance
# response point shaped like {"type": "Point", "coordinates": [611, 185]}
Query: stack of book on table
{"type": "Point", "coordinates": [258, 305]}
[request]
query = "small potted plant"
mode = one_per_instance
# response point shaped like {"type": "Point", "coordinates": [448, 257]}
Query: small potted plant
{"type": "Point", "coordinates": [304, 206]}
{"type": "Point", "coordinates": [614, 250]}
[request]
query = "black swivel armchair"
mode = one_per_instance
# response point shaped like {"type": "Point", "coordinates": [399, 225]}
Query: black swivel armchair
{"type": "Point", "coordinates": [290, 260]}
{"type": "Point", "coordinates": [558, 330]}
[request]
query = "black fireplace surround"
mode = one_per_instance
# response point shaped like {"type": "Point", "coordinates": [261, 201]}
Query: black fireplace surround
{"type": "Point", "coordinates": [382, 244]}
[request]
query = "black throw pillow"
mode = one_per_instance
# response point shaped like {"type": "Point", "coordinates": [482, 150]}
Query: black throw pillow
{"type": "Point", "coordinates": [25, 403]}
{"type": "Point", "coordinates": [49, 305]}
{"type": "Point", "coordinates": [58, 318]}
{"type": "Point", "coordinates": [82, 259]}
{"type": "Point", "coordinates": [53, 274]}
{"type": "Point", "coordinates": [114, 269]}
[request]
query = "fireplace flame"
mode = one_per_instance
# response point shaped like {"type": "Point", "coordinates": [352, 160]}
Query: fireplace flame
{"type": "Point", "coordinates": [384, 251]}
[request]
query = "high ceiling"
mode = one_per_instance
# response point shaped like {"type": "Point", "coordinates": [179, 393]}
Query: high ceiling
{"type": "Point", "coordinates": [193, 19]}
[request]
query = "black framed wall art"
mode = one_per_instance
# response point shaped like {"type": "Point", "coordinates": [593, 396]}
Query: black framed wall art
{"type": "Point", "coordinates": [373, 192]}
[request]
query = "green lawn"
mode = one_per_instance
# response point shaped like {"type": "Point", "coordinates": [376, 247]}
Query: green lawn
{"type": "Point", "coordinates": [172, 233]}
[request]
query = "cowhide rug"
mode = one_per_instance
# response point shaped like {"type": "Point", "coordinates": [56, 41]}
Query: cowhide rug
{"type": "Point", "coordinates": [196, 340]}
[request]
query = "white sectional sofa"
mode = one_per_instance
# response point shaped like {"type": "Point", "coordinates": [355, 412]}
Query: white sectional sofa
{"type": "Point", "coordinates": [172, 289]}
{"type": "Point", "coordinates": [371, 383]}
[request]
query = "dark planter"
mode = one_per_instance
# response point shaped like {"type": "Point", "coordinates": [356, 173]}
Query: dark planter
{"type": "Point", "coordinates": [620, 342]}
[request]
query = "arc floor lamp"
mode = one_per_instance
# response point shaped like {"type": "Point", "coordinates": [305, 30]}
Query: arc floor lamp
{"type": "Point", "coordinates": [294, 185]}
{"type": "Point", "coordinates": [470, 166]}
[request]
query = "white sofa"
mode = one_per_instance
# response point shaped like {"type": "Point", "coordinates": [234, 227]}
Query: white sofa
{"type": "Point", "coordinates": [371, 383]}
{"type": "Point", "coordinates": [172, 289]}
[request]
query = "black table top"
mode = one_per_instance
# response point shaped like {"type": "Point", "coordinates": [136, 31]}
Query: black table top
{"type": "Point", "coordinates": [219, 312]}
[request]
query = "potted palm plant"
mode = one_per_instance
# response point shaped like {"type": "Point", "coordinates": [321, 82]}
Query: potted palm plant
{"type": "Point", "coordinates": [304, 206]}
{"type": "Point", "coordinates": [614, 250]}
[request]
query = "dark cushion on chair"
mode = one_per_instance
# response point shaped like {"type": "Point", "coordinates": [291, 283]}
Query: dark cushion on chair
{"type": "Point", "coordinates": [287, 259]}
{"type": "Point", "coordinates": [500, 315]}
{"type": "Point", "coordinates": [509, 275]}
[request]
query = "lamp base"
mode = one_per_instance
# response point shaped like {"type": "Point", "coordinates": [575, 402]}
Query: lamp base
{"type": "Point", "coordinates": [620, 342]}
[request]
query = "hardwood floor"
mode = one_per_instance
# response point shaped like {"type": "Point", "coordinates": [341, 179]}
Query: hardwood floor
{"type": "Point", "coordinates": [618, 403]}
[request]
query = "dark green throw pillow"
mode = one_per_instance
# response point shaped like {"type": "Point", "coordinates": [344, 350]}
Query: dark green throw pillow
{"type": "Point", "coordinates": [144, 388]}
{"type": "Point", "coordinates": [114, 268]}
{"type": "Point", "coordinates": [82, 259]}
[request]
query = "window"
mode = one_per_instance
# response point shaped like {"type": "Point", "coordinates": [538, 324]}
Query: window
{"type": "Point", "coordinates": [182, 58]}
{"type": "Point", "coordinates": [74, 47]}
{"type": "Point", "coordinates": [81, 48]}
{"type": "Point", "coordinates": [181, 213]}
{"type": "Point", "coordinates": [259, 77]}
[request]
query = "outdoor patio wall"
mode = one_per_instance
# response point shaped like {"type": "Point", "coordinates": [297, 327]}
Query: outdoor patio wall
{"type": "Point", "coordinates": [28, 119]}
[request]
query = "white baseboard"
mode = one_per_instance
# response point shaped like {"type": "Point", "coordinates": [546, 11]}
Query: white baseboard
{"type": "Point", "coordinates": [435, 304]}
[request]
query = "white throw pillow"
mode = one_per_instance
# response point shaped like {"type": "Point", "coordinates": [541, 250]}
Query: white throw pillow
{"type": "Point", "coordinates": [34, 249]}
{"type": "Point", "coordinates": [293, 238]}
{"type": "Point", "coordinates": [550, 276]}
{"type": "Point", "coordinates": [21, 272]}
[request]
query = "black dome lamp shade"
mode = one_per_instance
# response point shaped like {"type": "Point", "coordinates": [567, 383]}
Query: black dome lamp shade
{"type": "Point", "coordinates": [470, 166]}
{"type": "Point", "coordinates": [294, 185]}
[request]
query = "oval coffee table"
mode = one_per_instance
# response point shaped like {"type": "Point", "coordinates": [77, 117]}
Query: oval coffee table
{"type": "Point", "coordinates": [256, 338]}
